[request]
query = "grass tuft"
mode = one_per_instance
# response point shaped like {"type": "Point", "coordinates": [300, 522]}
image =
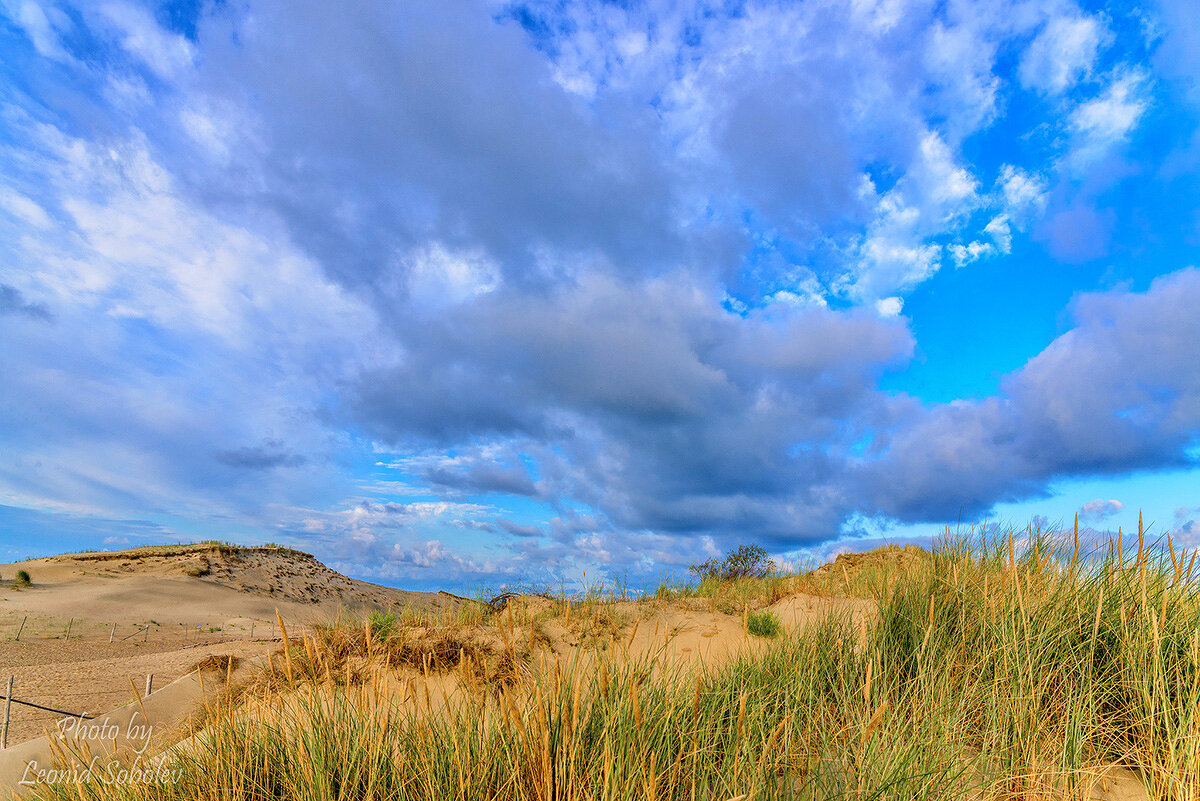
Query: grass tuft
{"type": "Point", "coordinates": [764, 624]}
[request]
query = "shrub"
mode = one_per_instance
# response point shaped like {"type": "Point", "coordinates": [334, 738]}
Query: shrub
{"type": "Point", "coordinates": [22, 579]}
{"type": "Point", "coordinates": [747, 561]}
{"type": "Point", "coordinates": [383, 624]}
{"type": "Point", "coordinates": [763, 624]}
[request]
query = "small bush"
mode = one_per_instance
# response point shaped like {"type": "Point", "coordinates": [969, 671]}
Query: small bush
{"type": "Point", "coordinates": [22, 579]}
{"type": "Point", "coordinates": [383, 625]}
{"type": "Point", "coordinates": [764, 624]}
{"type": "Point", "coordinates": [748, 561]}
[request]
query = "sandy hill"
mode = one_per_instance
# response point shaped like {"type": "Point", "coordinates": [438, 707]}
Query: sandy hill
{"type": "Point", "coordinates": [92, 623]}
{"type": "Point", "coordinates": [208, 584]}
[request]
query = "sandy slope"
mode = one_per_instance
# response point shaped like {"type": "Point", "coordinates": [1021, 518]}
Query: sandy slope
{"type": "Point", "coordinates": [187, 595]}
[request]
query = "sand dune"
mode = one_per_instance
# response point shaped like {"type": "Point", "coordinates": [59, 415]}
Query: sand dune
{"type": "Point", "coordinates": [164, 609]}
{"type": "Point", "coordinates": [197, 584]}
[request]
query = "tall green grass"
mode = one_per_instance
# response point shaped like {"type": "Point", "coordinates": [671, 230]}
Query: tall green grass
{"type": "Point", "coordinates": [992, 671]}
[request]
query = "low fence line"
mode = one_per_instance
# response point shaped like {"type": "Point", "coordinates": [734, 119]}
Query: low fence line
{"type": "Point", "coordinates": [9, 700]}
{"type": "Point", "coordinates": [55, 711]}
{"type": "Point", "coordinates": [146, 629]}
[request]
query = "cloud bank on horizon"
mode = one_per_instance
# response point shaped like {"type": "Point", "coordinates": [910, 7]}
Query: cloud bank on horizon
{"type": "Point", "coordinates": [455, 292]}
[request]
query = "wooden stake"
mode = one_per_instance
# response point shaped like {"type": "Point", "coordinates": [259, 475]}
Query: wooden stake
{"type": "Point", "coordinates": [7, 710]}
{"type": "Point", "coordinates": [22, 628]}
{"type": "Point", "coordinates": [146, 635]}
{"type": "Point", "coordinates": [149, 683]}
{"type": "Point", "coordinates": [112, 634]}
{"type": "Point", "coordinates": [69, 622]}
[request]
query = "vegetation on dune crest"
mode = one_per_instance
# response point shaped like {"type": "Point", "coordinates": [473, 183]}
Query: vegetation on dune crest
{"type": "Point", "coordinates": [992, 671]}
{"type": "Point", "coordinates": [747, 561]}
{"type": "Point", "coordinates": [219, 547]}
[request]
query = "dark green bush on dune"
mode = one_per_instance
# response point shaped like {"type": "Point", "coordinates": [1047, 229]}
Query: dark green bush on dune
{"type": "Point", "coordinates": [748, 561]}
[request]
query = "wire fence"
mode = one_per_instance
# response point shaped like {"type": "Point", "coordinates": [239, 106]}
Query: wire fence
{"type": "Point", "coordinates": [185, 635]}
{"type": "Point", "coordinates": [44, 710]}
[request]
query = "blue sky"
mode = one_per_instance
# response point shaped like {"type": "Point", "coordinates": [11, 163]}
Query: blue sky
{"type": "Point", "coordinates": [464, 294]}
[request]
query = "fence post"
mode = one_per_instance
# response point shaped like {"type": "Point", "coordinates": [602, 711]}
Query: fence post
{"type": "Point", "coordinates": [146, 636]}
{"type": "Point", "coordinates": [252, 631]}
{"type": "Point", "coordinates": [69, 622]}
{"type": "Point", "coordinates": [7, 708]}
{"type": "Point", "coordinates": [149, 683]}
{"type": "Point", "coordinates": [22, 628]}
{"type": "Point", "coordinates": [112, 633]}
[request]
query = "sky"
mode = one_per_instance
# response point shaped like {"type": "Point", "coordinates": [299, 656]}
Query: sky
{"type": "Point", "coordinates": [481, 294]}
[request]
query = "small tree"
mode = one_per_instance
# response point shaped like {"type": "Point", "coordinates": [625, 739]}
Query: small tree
{"type": "Point", "coordinates": [747, 561]}
{"type": "Point", "coordinates": [22, 579]}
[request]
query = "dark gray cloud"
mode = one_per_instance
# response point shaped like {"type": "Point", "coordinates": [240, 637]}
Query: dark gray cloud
{"type": "Point", "coordinates": [667, 416]}
{"type": "Point", "coordinates": [1117, 393]}
{"type": "Point", "coordinates": [264, 456]}
{"type": "Point", "coordinates": [483, 478]}
{"type": "Point", "coordinates": [647, 401]}
{"type": "Point", "coordinates": [12, 302]}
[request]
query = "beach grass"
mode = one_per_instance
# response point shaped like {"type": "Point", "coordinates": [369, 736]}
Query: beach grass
{"type": "Point", "coordinates": [1016, 667]}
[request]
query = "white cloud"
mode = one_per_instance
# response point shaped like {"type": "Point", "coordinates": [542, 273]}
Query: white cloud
{"type": "Point", "coordinates": [960, 59]}
{"type": "Point", "coordinates": [1102, 124]}
{"type": "Point", "coordinates": [947, 187]}
{"type": "Point", "coordinates": [209, 131]}
{"type": "Point", "coordinates": [880, 15]}
{"type": "Point", "coordinates": [973, 251]}
{"type": "Point", "coordinates": [1099, 509]}
{"type": "Point", "coordinates": [1062, 54]}
{"type": "Point", "coordinates": [41, 25]}
{"type": "Point", "coordinates": [896, 253]}
{"type": "Point", "coordinates": [24, 209]}
{"type": "Point", "coordinates": [438, 275]}
{"type": "Point", "coordinates": [889, 307]}
{"type": "Point", "coordinates": [1001, 232]}
{"type": "Point", "coordinates": [165, 53]}
{"type": "Point", "coordinates": [804, 292]}
{"type": "Point", "coordinates": [1023, 194]}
